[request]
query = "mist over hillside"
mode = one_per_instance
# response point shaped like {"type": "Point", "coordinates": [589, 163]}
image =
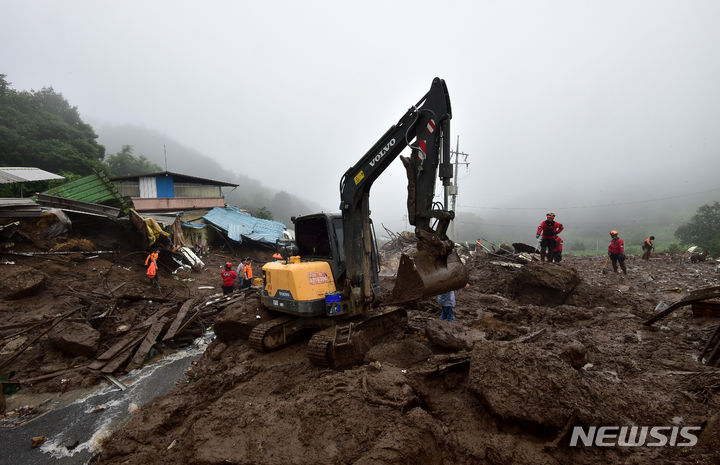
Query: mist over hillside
{"type": "Point", "coordinates": [250, 194]}
{"type": "Point", "coordinates": [636, 209]}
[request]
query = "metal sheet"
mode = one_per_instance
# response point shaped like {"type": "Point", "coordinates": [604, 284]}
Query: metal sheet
{"type": "Point", "coordinates": [25, 174]}
{"type": "Point", "coordinates": [239, 224]}
{"type": "Point", "coordinates": [148, 188]}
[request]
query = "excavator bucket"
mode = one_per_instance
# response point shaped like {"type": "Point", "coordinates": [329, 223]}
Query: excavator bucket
{"type": "Point", "coordinates": [426, 274]}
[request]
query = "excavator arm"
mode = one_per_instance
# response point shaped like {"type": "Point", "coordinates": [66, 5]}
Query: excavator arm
{"type": "Point", "coordinates": [425, 128]}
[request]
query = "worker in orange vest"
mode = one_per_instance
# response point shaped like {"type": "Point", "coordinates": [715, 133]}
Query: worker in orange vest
{"type": "Point", "coordinates": [152, 257]}
{"type": "Point", "coordinates": [152, 272]}
{"type": "Point", "coordinates": [647, 247]}
{"type": "Point", "coordinates": [248, 272]}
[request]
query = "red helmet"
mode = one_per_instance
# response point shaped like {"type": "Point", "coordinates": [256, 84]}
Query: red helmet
{"type": "Point", "coordinates": [228, 264]}
{"type": "Point", "coordinates": [613, 233]}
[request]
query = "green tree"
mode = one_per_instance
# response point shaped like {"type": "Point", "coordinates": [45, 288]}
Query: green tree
{"type": "Point", "coordinates": [40, 129]}
{"type": "Point", "coordinates": [263, 213]}
{"type": "Point", "coordinates": [703, 229]}
{"type": "Point", "coordinates": [124, 163]}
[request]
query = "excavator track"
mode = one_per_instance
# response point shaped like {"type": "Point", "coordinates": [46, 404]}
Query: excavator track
{"type": "Point", "coordinates": [342, 346]}
{"type": "Point", "coordinates": [317, 349]}
{"type": "Point", "coordinates": [269, 335]}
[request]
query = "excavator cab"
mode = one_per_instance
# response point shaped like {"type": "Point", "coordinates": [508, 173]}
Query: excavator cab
{"type": "Point", "coordinates": [307, 283]}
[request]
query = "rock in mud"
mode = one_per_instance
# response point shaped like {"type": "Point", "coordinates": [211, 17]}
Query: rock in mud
{"type": "Point", "coordinates": [575, 354]}
{"type": "Point", "coordinates": [452, 336]}
{"type": "Point", "coordinates": [75, 339]}
{"type": "Point", "coordinates": [522, 383]}
{"type": "Point", "coordinates": [544, 284]}
{"type": "Point", "coordinates": [237, 320]}
{"type": "Point", "coordinates": [20, 281]}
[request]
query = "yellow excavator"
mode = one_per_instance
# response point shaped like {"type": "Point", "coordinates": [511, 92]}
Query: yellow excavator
{"type": "Point", "coordinates": [328, 280]}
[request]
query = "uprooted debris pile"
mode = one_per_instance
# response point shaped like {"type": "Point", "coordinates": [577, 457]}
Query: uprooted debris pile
{"type": "Point", "coordinates": [505, 383]}
{"type": "Point", "coordinates": [72, 313]}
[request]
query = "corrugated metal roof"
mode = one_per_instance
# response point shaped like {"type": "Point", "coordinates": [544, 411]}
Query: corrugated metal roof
{"type": "Point", "coordinates": [25, 174]}
{"type": "Point", "coordinates": [178, 178]}
{"type": "Point", "coordinates": [19, 208]}
{"type": "Point", "coordinates": [94, 188]}
{"type": "Point", "coordinates": [239, 224]}
{"type": "Point", "coordinates": [77, 206]}
{"type": "Point", "coordinates": [16, 202]}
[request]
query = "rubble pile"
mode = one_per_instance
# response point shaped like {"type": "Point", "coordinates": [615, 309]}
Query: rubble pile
{"type": "Point", "coordinates": [536, 350]}
{"type": "Point", "coordinates": [505, 383]}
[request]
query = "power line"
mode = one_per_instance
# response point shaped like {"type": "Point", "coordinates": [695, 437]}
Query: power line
{"type": "Point", "coordinates": [615, 204]}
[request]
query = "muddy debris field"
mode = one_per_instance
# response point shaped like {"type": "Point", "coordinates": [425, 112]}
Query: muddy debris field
{"type": "Point", "coordinates": [536, 351]}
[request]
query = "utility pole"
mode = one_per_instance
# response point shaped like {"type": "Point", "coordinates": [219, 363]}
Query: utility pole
{"type": "Point", "coordinates": [165, 150]}
{"type": "Point", "coordinates": [453, 190]}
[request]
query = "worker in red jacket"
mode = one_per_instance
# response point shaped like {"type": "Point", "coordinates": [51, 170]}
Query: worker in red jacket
{"type": "Point", "coordinates": [549, 229]}
{"type": "Point", "coordinates": [228, 278]}
{"type": "Point", "coordinates": [616, 251]}
{"type": "Point", "coordinates": [557, 251]}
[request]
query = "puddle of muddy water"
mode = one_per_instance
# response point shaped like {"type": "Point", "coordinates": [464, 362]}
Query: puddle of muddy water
{"type": "Point", "coordinates": [77, 423]}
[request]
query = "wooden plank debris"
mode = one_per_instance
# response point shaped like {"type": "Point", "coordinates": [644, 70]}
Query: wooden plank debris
{"type": "Point", "coordinates": [119, 359]}
{"type": "Point", "coordinates": [129, 341]}
{"type": "Point", "coordinates": [705, 309]}
{"type": "Point", "coordinates": [48, 375]}
{"type": "Point", "coordinates": [712, 349]}
{"type": "Point", "coordinates": [189, 322]}
{"type": "Point", "coordinates": [695, 296]}
{"type": "Point", "coordinates": [529, 337]}
{"type": "Point", "coordinates": [178, 319]}
{"type": "Point", "coordinates": [147, 343]}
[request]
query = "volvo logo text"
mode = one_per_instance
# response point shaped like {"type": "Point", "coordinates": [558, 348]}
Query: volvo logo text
{"type": "Point", "coordinates": [382, 152]}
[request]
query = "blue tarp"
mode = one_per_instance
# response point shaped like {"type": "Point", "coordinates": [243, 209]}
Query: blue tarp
{"type": "Point", "coordinates": [239, 224]}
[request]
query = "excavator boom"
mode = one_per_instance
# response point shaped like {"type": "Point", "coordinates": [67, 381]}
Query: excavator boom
{"type": "Point", "coordinates": [435, 268]}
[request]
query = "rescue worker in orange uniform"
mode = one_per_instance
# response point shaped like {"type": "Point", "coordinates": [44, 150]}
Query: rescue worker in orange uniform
{"type": "Point", "coordinates": [647, 247]}
{"type": "Point", "coordinates": [248, 272]}
{"type": "Point", "coordinates": [549, 229]}
{"type": "Point", "coordinates": [152, 269]}
{"type": "Point", "coordinates": [616, 251]}
{"type": "Point", "coordinates": [152, 257]}
{"type": "Point", "coordinates": [557, 251]}
{"type": "Point", "coordinates": [228, 278]}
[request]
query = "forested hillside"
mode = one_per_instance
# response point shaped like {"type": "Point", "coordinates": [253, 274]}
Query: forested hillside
{"type": "Point", "coordinates": [42, 129]}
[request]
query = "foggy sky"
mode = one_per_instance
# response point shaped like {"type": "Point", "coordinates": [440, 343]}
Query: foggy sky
{"type": "Point", "coordinates": [559, 103]}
